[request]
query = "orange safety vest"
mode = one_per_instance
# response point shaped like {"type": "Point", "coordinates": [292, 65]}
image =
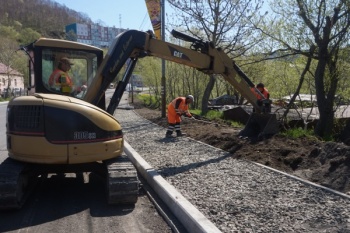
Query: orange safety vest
{"type": "Point", "coordinates": [265, 92]}
{"type": "Point", "coordinates": [60, 81]}
{"type": "Point", "coordinates": [175, 112]}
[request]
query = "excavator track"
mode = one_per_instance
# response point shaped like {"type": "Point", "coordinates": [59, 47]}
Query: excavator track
{"type": "Point", "coordinates": [16, 182]}
{"type": "Point", "coordinates": [122, 181]}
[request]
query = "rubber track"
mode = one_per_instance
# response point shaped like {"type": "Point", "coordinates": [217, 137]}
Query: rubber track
{"type": "Point", "coordinates": [122, 181]}
{"type": "Point", "coordinates": [14, 184]}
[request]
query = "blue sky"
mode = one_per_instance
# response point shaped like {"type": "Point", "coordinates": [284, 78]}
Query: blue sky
{"type": "Point", "coordinates": [130, 14]}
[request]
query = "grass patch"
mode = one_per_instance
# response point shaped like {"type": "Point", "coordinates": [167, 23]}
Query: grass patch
{"type": "Point", "coordinates": [5, 99]}
{"type": "Point", "coordinates": [236, 124]}
{"type": "Point", "coordinates": [298, 133]}
{"type": "Point", "coordinates": [146, 99]}
{"type": "Point", "coordinates": [214, 115]}
{"type": "Point", "coordinates": [211, 114]}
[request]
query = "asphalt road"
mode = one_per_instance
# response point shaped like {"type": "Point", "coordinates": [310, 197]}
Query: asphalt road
{"type": "Point", "coordinates": [67, 204]}
{"type": "Point", "coordinates": [75, 204]}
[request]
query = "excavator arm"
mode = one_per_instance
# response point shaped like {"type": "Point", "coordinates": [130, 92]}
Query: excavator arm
{"type": "Point", "coordinates": [131, 45]}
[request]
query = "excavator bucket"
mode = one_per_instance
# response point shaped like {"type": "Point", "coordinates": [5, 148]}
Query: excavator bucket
{"type": "Point", "coordinates": [260, 125]}
{"type": "Point", "coordinates": [237, 114]}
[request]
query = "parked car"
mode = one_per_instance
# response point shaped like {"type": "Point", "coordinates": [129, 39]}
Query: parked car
{"type": "Point", "coordinates": [223, 100]}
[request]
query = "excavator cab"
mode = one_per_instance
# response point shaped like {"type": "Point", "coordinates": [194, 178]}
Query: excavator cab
{"type": "Point", "coordinates": [45, 56]}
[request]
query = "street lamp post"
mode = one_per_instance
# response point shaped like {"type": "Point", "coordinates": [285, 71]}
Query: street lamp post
{"type": "Point", "coordinates": [163, 91]}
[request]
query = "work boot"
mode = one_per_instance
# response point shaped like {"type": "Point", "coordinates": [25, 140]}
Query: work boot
{"type": "Point", "coordinates": [169, 134]}
{"type": "Point", "coordinates": [180, 134]}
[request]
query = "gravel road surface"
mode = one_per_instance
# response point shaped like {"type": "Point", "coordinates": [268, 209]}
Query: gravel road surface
{"type": "Point", "coordinates": [236, 195]}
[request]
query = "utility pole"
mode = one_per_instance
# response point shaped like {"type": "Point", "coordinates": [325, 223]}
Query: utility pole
{"type": "Point", "coordinates": [163, 91]}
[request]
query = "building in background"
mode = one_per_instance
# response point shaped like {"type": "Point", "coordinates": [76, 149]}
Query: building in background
{"type": "Point", "coordinates": [92, 34]}
{"type": "Point", "coordinates": [11, 81]}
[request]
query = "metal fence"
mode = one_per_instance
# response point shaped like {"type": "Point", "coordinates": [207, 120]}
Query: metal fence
{"type": "Point", "coordinates": [12, 92]}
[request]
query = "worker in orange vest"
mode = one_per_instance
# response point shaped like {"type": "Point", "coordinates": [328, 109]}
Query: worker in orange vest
{"type": "Point", "coordinates": [59, 79]}
{"type": "Point", "coordinates": [177, 108]}
{"type": "Point", "coordinates": [263, 98]}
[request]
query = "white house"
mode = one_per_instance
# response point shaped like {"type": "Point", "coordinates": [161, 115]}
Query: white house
{"type": "Point", "coordinates": [16, 79]}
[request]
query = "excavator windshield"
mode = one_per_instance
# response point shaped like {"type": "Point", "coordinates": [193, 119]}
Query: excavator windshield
{"type": "Point", "coordinates": [62, 67]}
{"type": "Point", "coordinates": [68, 72]}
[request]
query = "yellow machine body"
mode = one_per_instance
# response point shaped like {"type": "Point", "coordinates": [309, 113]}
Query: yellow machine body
{"type": "Point", "coordinates": [61, 130]}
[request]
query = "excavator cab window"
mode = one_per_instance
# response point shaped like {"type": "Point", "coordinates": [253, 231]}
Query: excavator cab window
{"type": "Point", "coordinates": [48, 74]}
{"type": "Point", "coordinates": [67, 72]}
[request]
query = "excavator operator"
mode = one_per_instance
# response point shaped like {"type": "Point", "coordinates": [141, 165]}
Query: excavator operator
{"type": "Point", "coordinates": [177, 108]}
{"type": "Point", "coordinates": [59, 79]}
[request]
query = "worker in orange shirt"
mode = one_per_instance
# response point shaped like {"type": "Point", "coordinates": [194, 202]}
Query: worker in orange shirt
{"type": "Point", "coordinates": [59, 79]}
{"type": "Point", "coordinates": [177, 108]}
{"type": "Point", "coordinates": [263, 98]}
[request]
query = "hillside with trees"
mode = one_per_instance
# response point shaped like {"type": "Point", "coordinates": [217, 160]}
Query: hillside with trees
{"type": "Point", "coordinates": [24, 21]}
{"type": "Point", "coordinates": [46, 17]}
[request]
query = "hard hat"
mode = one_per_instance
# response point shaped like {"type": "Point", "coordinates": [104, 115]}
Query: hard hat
{"type": "Point", "coordinates": [66, 60]}
{"type": "Point", "coordinates": [190, 97]}
{"type": "Point", "coordinates": [260, 85]}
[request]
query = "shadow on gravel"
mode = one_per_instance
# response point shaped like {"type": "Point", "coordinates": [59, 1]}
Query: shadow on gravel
{"type": "Point", "coordinates": [170, 171]}
{"type": "Point", "coordinates": [167, 140]}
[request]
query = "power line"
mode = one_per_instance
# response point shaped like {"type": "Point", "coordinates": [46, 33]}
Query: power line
{"type": "Point", "coordinates": [143, 21]}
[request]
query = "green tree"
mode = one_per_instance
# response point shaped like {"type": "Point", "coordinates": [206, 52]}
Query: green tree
{"type": "Point", "coordinates": [319, 30]}
{"type": "Point", "coordinates": [71, 35]}
{"type": "Point", "coordinates": [226, 23]}
{"type": "Point", "coordinates": [9, 32]}
{"type": "Point", "coordinates": [28, 35]}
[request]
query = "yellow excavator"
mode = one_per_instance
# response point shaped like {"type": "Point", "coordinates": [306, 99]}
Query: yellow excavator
{"type": "Point", "coordinates": [52, 131]}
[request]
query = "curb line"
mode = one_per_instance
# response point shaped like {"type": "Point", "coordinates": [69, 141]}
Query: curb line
{"type": "Point", "coordinates": [191, 218]}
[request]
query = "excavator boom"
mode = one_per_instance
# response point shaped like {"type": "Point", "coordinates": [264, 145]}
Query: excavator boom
{"type": "Point", "coordinates": [203, 56]}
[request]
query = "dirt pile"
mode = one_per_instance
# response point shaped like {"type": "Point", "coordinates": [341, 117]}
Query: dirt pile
{"type": "Point", "coordinates": [324, 163]}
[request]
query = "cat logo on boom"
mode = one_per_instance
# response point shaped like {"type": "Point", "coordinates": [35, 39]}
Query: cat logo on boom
{"type": "Point", "coordinates": [177, 54]}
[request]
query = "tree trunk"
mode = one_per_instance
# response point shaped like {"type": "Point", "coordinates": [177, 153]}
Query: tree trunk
{"type": "Point", "coordinates": [325, 124]}
{"type": "Point", "coordinates": [325, 100]}
{"type": "Point", "coordinates": [206, 94]}
{"type": "Point", "coordinates": [301, 81]}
